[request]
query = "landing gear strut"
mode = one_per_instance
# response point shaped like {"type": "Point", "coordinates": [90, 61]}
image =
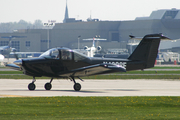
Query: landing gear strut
{"type": "Point", "coordinates": [48, 86]}
{"type": "Point", "coordinates": [77, 86]}
{"type": "Point", "coordinates": [32, 86]}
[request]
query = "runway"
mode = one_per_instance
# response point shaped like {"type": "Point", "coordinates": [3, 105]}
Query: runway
{"type": "Point", "coordinates": [18, 88]}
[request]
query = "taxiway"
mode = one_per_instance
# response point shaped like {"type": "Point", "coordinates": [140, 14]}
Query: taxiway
{"type": "Point", "coordinates": [18, 88]}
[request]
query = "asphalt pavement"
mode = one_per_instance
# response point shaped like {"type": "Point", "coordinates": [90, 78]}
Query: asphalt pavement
{"type": "Point", "coordinates": [18, 88]}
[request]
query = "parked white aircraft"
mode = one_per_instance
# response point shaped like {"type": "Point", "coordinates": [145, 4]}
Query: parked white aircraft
{"type": "Point", "coordinates": [91, 50]}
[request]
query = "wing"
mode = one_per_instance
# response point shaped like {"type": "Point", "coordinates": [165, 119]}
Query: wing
{"type": "Point", "coordinates": [94, 69]}
{"type": "Point", "coordinates": [13, 66]}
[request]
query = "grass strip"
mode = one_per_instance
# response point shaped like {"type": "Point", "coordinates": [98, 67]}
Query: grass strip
{"type": "Point", "coordinates": [108, 108]}
{"type": "Point", "coordinates": [150, 72]}
{"type": "Point", "coordinates": [169, 67]}
{"type": "Point", "coordinates": [128, 72]}
{"type": "Point", "coordinates": [11, 72]}
{"type": "Point", "coordinates": [175, 77]}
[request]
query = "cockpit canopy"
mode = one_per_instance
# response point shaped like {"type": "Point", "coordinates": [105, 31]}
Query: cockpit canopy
{"type": "Point", "coordinates": [63, 54]}
{"type": "Point", "coordinates": [52, 53]}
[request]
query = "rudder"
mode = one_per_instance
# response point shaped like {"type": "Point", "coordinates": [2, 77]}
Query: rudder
{"type": "Point", "coordinates": [146, 52]}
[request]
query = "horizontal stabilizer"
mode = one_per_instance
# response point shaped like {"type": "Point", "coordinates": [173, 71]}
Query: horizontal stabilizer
{"type": "Point", "coordinates": [140, 38]}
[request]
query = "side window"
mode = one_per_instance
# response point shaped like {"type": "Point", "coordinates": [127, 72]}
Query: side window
{"type": "Point", "coordinates": [55, 54]}
{"type": "Point", "coordinates": [78, 57]}
{"type": "Point", "coordinates": [66, 55]}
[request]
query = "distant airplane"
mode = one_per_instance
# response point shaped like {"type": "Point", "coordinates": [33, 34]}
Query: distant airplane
{"type": "Point", "coordinates": [1, 58]}
{"type": "Point", "coordinates": [136, 38]}
{"type": "Point", "coordinates": [91, 50]}
{"type": "Point", "coordinates": [5, 50]}
{"type": "Point", "coordinates": [66, 63]}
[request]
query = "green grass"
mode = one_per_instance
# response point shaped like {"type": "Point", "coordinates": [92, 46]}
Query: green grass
{"type": "Point", "coordinates": [177, 77]}
{"type": "Point", "coordinates": [109, 108]}
{"type": "Point", "coordinates": [128, 72]}
{"type": "Point", "coordinates": [11, 72]}
{"type": "Point", "coordinates": [128, 75]}
{"type": "Point", "coordinates": [150, 72]}
{"type": "Point", "coordinates": [119, 75]}
{"type": "Point", "coordinates": [168, 67]}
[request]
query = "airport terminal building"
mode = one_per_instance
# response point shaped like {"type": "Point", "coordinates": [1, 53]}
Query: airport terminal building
{"type": "Point", "coordinates": [117, 33]}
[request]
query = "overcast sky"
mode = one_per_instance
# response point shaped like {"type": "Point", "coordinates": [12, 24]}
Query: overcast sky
{"type": "Point", "coordinates": [31, 10]}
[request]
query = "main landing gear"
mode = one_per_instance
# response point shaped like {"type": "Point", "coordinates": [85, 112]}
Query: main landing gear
{"type": "Point", "coordinates": [48, 86]}
{"type": "Point", "coordinates": [77, 86]}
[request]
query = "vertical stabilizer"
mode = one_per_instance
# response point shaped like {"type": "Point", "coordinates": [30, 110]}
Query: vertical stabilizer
{"type": "Point", "coordinates": [146, 52]}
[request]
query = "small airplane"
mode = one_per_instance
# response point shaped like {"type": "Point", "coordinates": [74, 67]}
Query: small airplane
{"type": "Point", "coordinates": [1, 58]}
{"type": "Point", "coordinates": [91, 50]}
{"type": "Point", "coordinates": [5, 50]}
{"type": "Point", "coordinates": [66, 63]}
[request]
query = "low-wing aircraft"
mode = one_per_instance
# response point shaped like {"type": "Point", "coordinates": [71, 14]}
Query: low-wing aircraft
{"type": "Point", "coordinates": [66, 63]}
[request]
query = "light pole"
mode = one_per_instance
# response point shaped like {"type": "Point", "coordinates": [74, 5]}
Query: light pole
{"type": "Point", "coordinates": [49, 24]}
{"type": "Point", "coordinates": [78, 41]}
{"type": "Point", "coordinates": [48, 38]}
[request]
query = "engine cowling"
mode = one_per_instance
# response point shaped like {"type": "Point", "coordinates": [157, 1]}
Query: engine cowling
{"type": "Point", "coordinates": [13, 50]}
{"type": "Point", "coordinates": [99, 48]}
{"type": "Point", "coordinates": [86, 47]}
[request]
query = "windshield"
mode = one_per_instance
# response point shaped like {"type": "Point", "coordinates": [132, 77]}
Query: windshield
{"type": "Point", "coordinates": [52, 53]}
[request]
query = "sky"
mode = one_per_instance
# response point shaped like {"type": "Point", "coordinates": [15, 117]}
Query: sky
{"type": "Point", "coordinates": [112, 10]}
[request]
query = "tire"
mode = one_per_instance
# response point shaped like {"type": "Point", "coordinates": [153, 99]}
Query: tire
{"type": "Point", "coordinates": [31, 86]}
{"type": "Point", "coordinates": [48, 86]}
{"type": "Point", "coordinates": [77, 87]}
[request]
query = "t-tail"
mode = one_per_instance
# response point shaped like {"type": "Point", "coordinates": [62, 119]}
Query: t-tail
{"type": "Point", "coordinates": [145, 54]}
{"type": "Point", "coordinates": [93, 43]}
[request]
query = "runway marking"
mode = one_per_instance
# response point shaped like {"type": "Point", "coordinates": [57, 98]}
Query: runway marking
{"type": "Point", "coordinates": [11, 96]}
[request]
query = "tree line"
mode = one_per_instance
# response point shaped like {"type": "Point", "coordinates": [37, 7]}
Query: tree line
{"type": "Point", "coordinates": [22, 24]}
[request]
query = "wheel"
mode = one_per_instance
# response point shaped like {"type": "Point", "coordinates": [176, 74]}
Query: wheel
{"type": "Point", "coordinates": [48, 86]}
{"type": "Point", "coordinates": [31, 86]}
{"type": "Point", "coordinates": [77, 86]}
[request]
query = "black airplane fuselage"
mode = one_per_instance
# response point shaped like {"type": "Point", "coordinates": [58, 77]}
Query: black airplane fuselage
{"type": "Point", "coordinates": [58, 68]}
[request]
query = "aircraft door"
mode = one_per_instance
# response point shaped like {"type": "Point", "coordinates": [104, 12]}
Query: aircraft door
{"type": "Point", "coordinates": [67, 59]}
{"type": "Point", "coordinates": [56, 64]}
{"type": "Point", "coordinates": [66, 55]}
